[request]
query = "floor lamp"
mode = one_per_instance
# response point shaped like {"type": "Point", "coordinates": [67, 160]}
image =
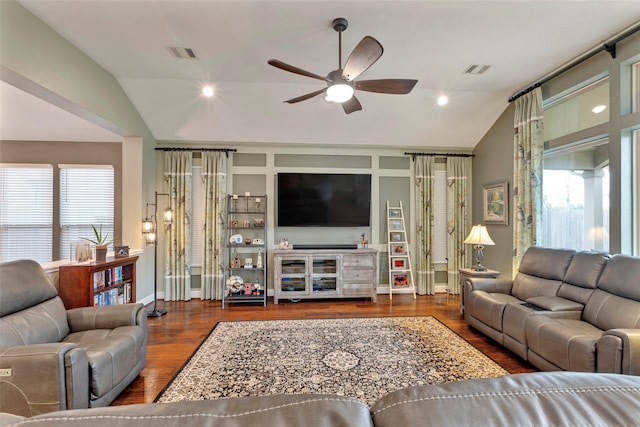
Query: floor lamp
{"type": "Point", "coordinates": [150, 232]}
{"type": "Point", "coordinates": [479, 237]}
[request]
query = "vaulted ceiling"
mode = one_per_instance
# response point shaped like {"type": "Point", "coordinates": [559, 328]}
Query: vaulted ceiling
{"type": "Point", "coordinates": [431, 41]}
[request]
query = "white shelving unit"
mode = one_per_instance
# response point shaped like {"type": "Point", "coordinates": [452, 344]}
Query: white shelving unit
{"type": "Point", "coordinates": [400, 271]}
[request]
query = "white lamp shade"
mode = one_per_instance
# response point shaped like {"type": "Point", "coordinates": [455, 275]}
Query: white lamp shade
{"type": "Point", "coordinates": [339, 93]}
{"type": "Point", "coordinates": [479, 236]}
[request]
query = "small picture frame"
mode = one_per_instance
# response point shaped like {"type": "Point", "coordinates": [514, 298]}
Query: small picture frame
{"type": "Point", "coordinates": [495, 203]}
{"type": "Point", "coordinates": [394, 213]}
{"type": "Point", "coordinates": [81, 251]}
{"type": "Point", "coordinates": [248, 263]}
{"type": "Point", "coordinates": [395, 225]}
{"type": "Point", "coordinates": [397, 249]}
{"type": "Point", "coordinates": [396, 237]}
{"type": "Point", "coordinates": [398, 263]}
{"type": "Point", "coordinates": [248, 288]}
{"type": "Point", "coordinates": [121, 251]}
{"type": "Point", "coordinates": [400, 280]}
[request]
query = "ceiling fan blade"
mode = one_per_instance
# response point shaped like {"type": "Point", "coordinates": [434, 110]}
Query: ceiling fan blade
{"type": "Point", "coordinates": [295, 70]}
{"type": "Point", "coordinates": [351, 105]}
{"type": "Point", "coordinates": [305, 97]}
{"type": "Point", "coordinates": [362, 57]}
{"type": "Point", "coordinates": [393, 86]}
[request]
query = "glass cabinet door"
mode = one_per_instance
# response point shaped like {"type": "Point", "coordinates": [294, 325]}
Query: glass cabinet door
{"type": "Point", "coordinates": [324, 274]}
{"type": "Point", "coordinates": [293, 278]}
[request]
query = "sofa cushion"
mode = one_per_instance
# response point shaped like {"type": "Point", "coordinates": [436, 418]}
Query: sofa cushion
{"type": "Point", "coordinates": [526, 286]}
{"type": "Point", "coordinates": [112, 354]}
{"type": "Point", "coordinates": [15, 276]}
{"type": "Point", "coordinates": [535, 399]}
{"type": "Point", "coordinates": [567, 343]}
{"type": "Point", "coordinates": [582, 276]}
{"type": "Point", "coordinates": [276, 410]}
{"type": "Point", "coordinates": [45, 322]}
{"type": "Point", "coordinates": [489, 307]}
{"type": "Point", "coordinates": [621, 276]}
{"type": "Point", "coordinates": [547, 263]}
{"type": "Point", "coordinates": [608, 311]}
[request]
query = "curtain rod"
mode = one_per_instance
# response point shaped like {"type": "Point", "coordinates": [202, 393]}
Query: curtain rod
{"type": "Point", "coordinates": [225, 150]}
{"type": "Point", "coordinates": [413, 155]}
{"type": "Point", "coordinates": [608, 46]}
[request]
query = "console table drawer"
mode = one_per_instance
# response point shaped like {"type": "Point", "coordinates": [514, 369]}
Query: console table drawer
{"type": "Point", "coordinates": [357, 275]}
{"type": "Point", "coordinates": [357, 261]}
{"type": "Point", "coordinates": [358, 289]}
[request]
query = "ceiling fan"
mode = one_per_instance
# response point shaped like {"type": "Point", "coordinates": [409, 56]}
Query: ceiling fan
{"type": "Point", "coordinates": [341, 83]}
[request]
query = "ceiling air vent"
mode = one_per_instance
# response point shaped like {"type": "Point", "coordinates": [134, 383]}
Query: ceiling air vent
{"type": "Point", "coordinates": [476, 69]}
{"type": "Point", "coordinates": [182, 52]}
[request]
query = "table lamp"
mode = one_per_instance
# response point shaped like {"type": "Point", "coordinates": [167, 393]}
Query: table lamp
{"type": "Point", "coordinates": [479, 237]}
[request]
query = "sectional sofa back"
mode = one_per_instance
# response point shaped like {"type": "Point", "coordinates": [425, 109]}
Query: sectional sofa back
{"type": "Point", "coordinates": [582, 276]}
{"type": "Point", "coordinates": [30, 310]}
{"type": "Point", "coordinates": [615, 303]}
{"type": "Point", "coordinates": [541, 272]}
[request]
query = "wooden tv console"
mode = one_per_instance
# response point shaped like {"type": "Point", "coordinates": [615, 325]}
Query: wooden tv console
{"type": "Point", "coordinates": [324, 273]}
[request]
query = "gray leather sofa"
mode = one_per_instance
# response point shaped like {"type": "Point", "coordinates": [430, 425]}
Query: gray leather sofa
{"type": "Point", "coordinates": [54, 359]}
{"type": "Point", "coordinates": [565, 310]}
{"type": "Point", "coordinates": [536, 399]}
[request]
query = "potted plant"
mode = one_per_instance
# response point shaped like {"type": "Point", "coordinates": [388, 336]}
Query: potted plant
{"type": "Point", "coordinates": [101, 241]}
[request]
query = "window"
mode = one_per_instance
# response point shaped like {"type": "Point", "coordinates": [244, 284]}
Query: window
{"type": "Point", "coordinates": [26, 212]}
{"type": "Point", "coordinates": [86, 199]}
{"type": "Point", "coordinates": [197, 237]}
{"type": "Point", "coordinates": [575, 211]}
{"type": "Point", "coordinates": [440, 220]}
{"type": "Point", "coordinates": [580, 109]}
{"type": "Point", "coordinates": [635, 87]}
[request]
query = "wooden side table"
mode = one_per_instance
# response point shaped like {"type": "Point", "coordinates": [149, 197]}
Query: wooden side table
{"type": "Point", "coordinates": [467, 273]}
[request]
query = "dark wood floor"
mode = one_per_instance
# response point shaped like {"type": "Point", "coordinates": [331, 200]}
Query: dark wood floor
{"type": "Point", "coordinates": [175, 336]}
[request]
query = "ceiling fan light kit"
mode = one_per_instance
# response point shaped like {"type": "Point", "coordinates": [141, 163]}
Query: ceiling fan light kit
{"type": "Point", "coordinates": [341, 83]}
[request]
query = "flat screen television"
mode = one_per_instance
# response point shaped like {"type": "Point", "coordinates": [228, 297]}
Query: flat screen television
{"type": "Point", "coordinates": [323, 200]}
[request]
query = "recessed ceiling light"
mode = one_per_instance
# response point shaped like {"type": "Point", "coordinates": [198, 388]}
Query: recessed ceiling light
{"type": "Point", "coordinates": [599, 108]}
{"type": "Point", "coordinates": [443, 100]}
{"type": "Point", "coordinates": [207, 91]}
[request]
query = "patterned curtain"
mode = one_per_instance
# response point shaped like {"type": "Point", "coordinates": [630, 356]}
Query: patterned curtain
{"type": "Point", "coordinates": [527, 173]}
{"type": "Point", "coordinates": [424, 182]}
{"type": "Point", "coordinates": [177, 256]}
{"type": "Point", "coordinates": [214, 180]}
{"type": "Point", "coordinates": [458, 173]}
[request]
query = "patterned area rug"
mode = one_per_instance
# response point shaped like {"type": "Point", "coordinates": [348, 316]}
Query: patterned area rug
{"type": "Point", "coordinates": [363, 358]}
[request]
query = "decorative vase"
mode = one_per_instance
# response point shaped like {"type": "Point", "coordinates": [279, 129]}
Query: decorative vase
{"type": "Point", "coordinates": [101, 253]}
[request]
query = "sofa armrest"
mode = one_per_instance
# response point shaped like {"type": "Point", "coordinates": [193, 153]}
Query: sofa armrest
{"type": "Point", "coordinates": [619, 351]}
{"type": "Point", "coordinates": [490, 285]}
{"type": "Point", "coordinates": [106, 317]}
{"type": "Point", "coordinates": [43, 378]}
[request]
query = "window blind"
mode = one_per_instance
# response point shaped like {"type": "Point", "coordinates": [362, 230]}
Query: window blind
{"type": "Point", "coordinates": [26, 212]}
{"type": "Point", "coordinates": [86, 199]}
{"type": "Point", "coordinates": [440, 234]}
{"type": "Point", "coordinates": [197, 236]}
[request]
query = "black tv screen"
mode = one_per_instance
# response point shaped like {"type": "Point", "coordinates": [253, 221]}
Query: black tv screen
{"type": "Point", "coordinates": [323, 200]}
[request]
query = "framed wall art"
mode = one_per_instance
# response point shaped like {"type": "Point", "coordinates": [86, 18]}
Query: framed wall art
{"type": "Point", "coordinates": [495, 205]}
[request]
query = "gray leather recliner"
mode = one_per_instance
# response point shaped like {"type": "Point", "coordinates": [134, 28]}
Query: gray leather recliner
{"type": "Point", "coordinates": [54, 359]}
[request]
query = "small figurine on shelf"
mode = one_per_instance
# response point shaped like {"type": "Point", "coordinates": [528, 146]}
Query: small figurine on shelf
{"type": "Point", "coordinates": [259, 260]}
{"type": "Point", "coordinates": [284, 243]}
{"type": "Point", "coordinates": [257, 287]}
{"type": "Point", "coordinates": [235, 262]}
{"type": "Point", "coordinates": [363, 242]}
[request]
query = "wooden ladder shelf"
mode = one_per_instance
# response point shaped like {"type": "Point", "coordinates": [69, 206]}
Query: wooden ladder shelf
{"type": "Point", "coordinates": [400, 271]}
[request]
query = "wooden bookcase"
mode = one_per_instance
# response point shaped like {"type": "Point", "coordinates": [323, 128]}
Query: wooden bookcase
{"type": "Point", "coordinates": [98, 283]}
